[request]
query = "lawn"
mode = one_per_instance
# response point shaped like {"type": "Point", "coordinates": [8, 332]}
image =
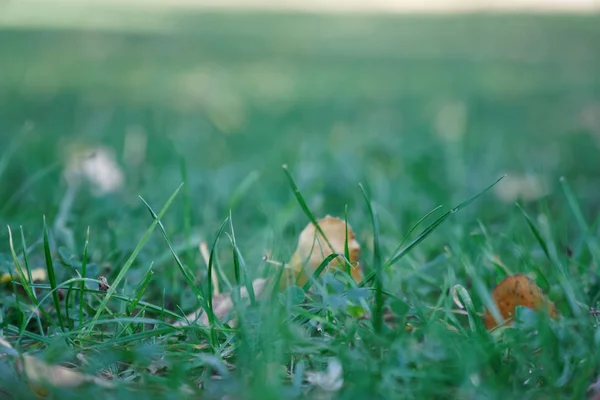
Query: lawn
{"type": "Point", "coordinates": [379, 120]}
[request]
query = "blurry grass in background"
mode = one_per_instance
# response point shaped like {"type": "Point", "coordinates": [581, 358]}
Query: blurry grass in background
{"type": "Point", "coordinates": [422, 110]}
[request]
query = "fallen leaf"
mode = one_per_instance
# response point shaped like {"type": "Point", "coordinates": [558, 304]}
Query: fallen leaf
{"type": "Point", "coordinates": [517, 290]}
{"type": "Point", "coordinates": [37, 275]}
{"type": "Point", "coordinates": [223, 304]}
{"type": "Point", "coordinates": [312, 249]}
{"type": "Point", "coordinates": [97, 165]}
{"type": "Point", "coordinates": [331, 380]}
{"type": "Point", "coordinates": [41, 375]}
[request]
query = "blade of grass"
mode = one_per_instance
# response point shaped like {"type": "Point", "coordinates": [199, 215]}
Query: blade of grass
{"type": "Point", "coordinates": [538, 236]}
{"type": "Point", "coordinates": [159, 309]}
{"type": "Point", "coordinates": [319, 270]}
{"type": "Point", "coordinates": [346, 249]}
{"type": "Point", "coordinates": [415, 226]}
{"type": "Point", "coordinates": [29, 273]}
{"type": "Point", "coordinates": [578, 214]}
{"type": "Point", "coordinates": [67, 316]}
{"type": "Point", "coordinates": [243, 188]}
{"type": "Point", "coordinates": [427, 231]}
{"type": "Point", "coordinates": [303, 204]}
{"type": "Point", "coordinates": [458, 291]}
{"type": "Point", "coordinates": [52, 275]}
{"type": "Point", "coordinates": [26, 258]}
{"type": "Point", "coordinates": [378, 313]}
{"type": "Point", "coordinates": [141, 289]}
{"type": "Point", "coordinates": [116, 296]}
{"type": "Point", "coordinates": [187, 215]}
{"type": "Point", "coordinates": [83, 274]}
{"type": "Point", "coordinates": [483, 292]}
{"type": "Point", "coordinates": [239, 259]}
{"type": "Point", "coordinates": [209, 309]}
{"type": "Point", "coordinates": [27, 285]}
{"type": "Point", "coordinates": [221, 275]}
{"type": "Point", "coordinates": [535, 232]}
{"type": "Point", "coordinates": [185, 270]}
{"type": "Point", "coordinates": [131, 259]}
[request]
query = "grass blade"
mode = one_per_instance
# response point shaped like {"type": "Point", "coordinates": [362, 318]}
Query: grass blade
{"type": "Point", "coordinates": [576, 210]}
{"type": "Point", "coordinates": [346, 248]}
{"type": "Point", "coordinates": [127, 299]}
{"type": "Point", "coordinates": [26, 259]}
{"type": "Point", "coordinates": [132, 257]}
{"type": "Point", "coordinates": [187, 215]}
{"type": "Point", "coordinates": [243, 188]}
{"type": "Point", "coordinates": [415, 226]}
{"type": "Point", "coordinates": [378, 313]}
{"type": "Point", "coordinates": [185, 270]}
{"type": "Point", "coordinates": [141, 289]}
{"type": "Point", "coordinates": [29, 273]}
{"type": "Point", "coordinates": [318, 271]}
{"type": "Point", "coordinates": [460, 293]}
{"type": "Point", "coordinates": [239, 260]}
{"type": "Point", "coordinates": [83, 274]}
{"type": "Point", "coordinates": [52, 275]}
{"type": "Point", "coordinates": [303, 204]}
{"type": "Point", "coordinates": [438, 222]}
{"type": "Point", "coordinates": [27, 285]}
{"type": "Point", "coordinates": [427, 231]}
{"type": "Point", "coordinates": [535, 231]}
{"type": "Point", "coordinates": [538, 236]}
{"type": "Point", "coordinates": [67, 299]}
{"type": "Point", "coordinates": [211, 258]}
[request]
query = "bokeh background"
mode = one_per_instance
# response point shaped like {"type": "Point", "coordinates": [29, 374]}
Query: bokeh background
{"type": "Point", "coordinates": [103, 101]}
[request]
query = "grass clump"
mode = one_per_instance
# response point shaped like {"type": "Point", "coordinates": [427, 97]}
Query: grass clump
{"type": "Point", "coordinates": [100, 284]}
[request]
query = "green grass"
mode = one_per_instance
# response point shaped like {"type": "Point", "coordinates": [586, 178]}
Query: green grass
{"type": "Point", "coordinates": [409, 113]}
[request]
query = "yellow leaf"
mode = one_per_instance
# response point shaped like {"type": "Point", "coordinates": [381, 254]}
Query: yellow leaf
{"type": "Point", "coordinates": [38, 274]}
{"type": "Point", "coordinates": [313, 249]}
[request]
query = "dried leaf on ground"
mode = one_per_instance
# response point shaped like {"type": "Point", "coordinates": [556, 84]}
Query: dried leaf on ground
{"type": "Point", "coordinates": [223, 304]}
{"type": "Point", "coordinates": [313, 249]}
{"type": "Point", "coordinates": [331, 380]}
{"type": "Point", "coordinates": [517, 290]}
{"type": "Point", "coordinates": [41, 375]}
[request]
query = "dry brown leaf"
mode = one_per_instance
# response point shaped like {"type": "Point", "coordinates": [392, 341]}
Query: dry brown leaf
{"type": "Point", "coordinates": [41, 375]}
{"type": "Point", "coordinates": [223, 304]}
{"type": "Point", "coordinates": [517, 290]}
{"type": "Point", "coordinates": [313, 249]}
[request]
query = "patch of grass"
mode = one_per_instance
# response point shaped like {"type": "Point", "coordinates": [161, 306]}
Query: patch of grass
{"type": "Point", "coordinates": [423, 111]}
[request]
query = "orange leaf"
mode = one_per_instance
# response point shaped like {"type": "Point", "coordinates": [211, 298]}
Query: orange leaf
{"type": "Point", "coordinates": [517, 290]}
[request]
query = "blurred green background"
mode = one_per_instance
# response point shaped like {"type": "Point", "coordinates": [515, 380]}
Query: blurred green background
{"type": "Point", "coordinates": [423, 110]}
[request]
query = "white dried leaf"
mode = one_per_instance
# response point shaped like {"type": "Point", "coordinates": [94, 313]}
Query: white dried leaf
{"type": "Point", "coordinates": [223, 304]}
{"type": "Point", "coordinates": [528, 187]}
{"type": "Point", "coordinates": [331, 380]}
{"type": "Point", "coordinates": [96, 165]}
